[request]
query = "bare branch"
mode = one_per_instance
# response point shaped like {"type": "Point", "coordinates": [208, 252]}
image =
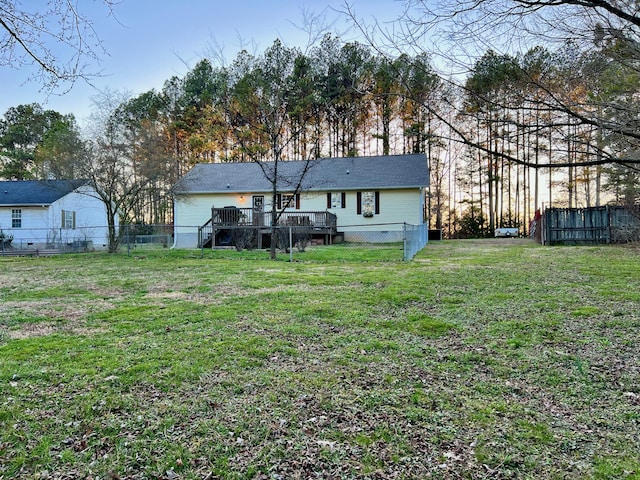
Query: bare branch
{"type": "Point", "coordinates": [57, 39]}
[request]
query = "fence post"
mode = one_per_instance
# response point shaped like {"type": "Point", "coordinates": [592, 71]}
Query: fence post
{"type": "Point", "coordinates": [405, 254]}
{"type": "Point", "coordinates": [290, 244]}
{"type": "Point", "coordinates": [126, 236]}
{"type": "Point", "coordinates": [608, 228]}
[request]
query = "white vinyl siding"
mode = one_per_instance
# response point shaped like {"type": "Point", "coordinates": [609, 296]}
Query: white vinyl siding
{"type": "Point", "coordinates": [396, 207]}
{"type": "Point", "coordinates": [43, 224]}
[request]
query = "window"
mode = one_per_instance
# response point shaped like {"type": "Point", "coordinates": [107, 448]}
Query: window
{"type": "Point", "coordinates": [68, 219]}
{"type": "Point", "coordinates": [16, 218]}
{"type": "Point", "coordinates": [368, 203]}
{"type": "Point", "coordinates": [288, 200]}
{"type": "Point", "coordinates": [336, 200]}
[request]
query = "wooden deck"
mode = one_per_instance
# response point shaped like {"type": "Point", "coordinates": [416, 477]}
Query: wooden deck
{"type": "Point", "coordinates": [230, 218]}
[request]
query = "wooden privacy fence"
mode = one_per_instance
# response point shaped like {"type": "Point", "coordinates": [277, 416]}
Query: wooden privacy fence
{"type": "Point", "coordinates": [593, 225]}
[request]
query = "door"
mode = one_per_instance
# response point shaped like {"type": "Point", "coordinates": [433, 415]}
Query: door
{"type": "Point", "coordinates": [258, 209]}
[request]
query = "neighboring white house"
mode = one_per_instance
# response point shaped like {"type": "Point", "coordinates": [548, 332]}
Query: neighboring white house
{"type": "Point", "coordinates": [371, 197]}
{"type": "Point", "coordinates": [52, 214]}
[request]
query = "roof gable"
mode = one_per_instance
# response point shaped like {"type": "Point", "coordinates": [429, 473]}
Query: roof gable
{"type": "Point", "coordinates": [350, 173]}
{"type": "Point", "coordinates": [36, 192]}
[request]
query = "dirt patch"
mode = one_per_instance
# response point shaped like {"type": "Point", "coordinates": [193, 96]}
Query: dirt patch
{"type": "Point", "coordinates": [502, 242]}
{"type": "Point", "coordinates": [43, 329]}
{"type": "Point", "coordinates": [35, 319]}
{"type": "Point", "coordinates": [215, 296]}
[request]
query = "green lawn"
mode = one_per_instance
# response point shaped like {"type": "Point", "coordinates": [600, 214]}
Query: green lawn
{"type": "Point", "coordinates": [479, 359]}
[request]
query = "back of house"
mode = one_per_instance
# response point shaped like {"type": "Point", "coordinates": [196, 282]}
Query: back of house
{"type": "Point", "coordinates": [371, 198]}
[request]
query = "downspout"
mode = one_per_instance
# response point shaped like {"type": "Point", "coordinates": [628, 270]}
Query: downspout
{"type": "Point", "coordinates": [175, 235]}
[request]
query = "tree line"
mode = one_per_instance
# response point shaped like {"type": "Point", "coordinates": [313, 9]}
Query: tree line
{"type": "Point", "coordinates": [339, 99]}
{"type": "Point", "coordinates": [547, 109]}
{"type": "Point", "coordinates": [553, 123]}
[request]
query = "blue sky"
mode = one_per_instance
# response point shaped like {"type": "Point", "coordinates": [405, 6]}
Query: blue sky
{"type": "Point", "coordinates": [153, 40]}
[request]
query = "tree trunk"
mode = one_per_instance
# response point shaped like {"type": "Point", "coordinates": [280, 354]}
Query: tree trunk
{"type": "Point", "coordinates": [491, 178]}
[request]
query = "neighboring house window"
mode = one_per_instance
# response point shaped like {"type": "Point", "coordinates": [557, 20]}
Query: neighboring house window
{"type": "Point", "coordinates": [368, 203]}
{"type": "Point", "coordinates": [68, 219]}
{"type": "Point", "coordinates": [16, 218]}
{"type": "Point", "coordinates": [336, 200]}
{"type": "Point", "coordinates": [288, 200]}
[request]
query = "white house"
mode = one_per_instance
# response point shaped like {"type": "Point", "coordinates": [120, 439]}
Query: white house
{"type": "Point", "coordinates": [52, 214]}
{"type": "Point", "coordinates": [371, 197]}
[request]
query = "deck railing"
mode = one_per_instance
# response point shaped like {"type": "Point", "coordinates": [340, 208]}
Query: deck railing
{"type": "Point", "coordinates": [229, 217]}
{"type": "Point", "coordinates": [205, 232]}
{"type": "Point", "coordinates": [233, 218]}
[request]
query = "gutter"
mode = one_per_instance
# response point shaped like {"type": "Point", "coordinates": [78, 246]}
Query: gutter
{"type": "Point", "coordinates": [25, 205]}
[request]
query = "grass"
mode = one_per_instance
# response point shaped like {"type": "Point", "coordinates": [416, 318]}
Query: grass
{"type": "Point", "coordinates": [479, 359]}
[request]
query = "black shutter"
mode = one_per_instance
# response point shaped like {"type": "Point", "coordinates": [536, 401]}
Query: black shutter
{"type": "Point", "coordinates": [359, 202]}
{"type": "Point", "coordinates": [377, 197]}
{"type": "Point", "coordinates": [328, 200]}
{"type": "Point", "coordinates": [278, 201]}
{"type": "Point", "coordinates": [297, 201]}
{"type": "Point", "coordinates": [343, 199]}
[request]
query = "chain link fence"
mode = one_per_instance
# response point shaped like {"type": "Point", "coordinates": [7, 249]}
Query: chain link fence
{"type": "Point", "coordinates": [134, 237]}
{"type": "Point", "coordinates": [415, 239]}
{"type": "Point", "coordinates": [141, 237]}
{"type": "Point", "coordinates": [50, 241]}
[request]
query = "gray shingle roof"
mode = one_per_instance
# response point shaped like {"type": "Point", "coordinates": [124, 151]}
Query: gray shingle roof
{"type": "Point", "coordinates": [35, 192]}
{"type": "Point", "coordinates": [351, 173]}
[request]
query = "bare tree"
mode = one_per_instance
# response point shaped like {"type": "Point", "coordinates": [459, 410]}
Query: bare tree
{"type": "Point", "coordinates": [262, 99]}
{"type": "Point", "coordinates": [457, 33]}
{"type": "Point", "coordinates": [110, 164]}
{"type": "Point", "coordinates": [55, 36]}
